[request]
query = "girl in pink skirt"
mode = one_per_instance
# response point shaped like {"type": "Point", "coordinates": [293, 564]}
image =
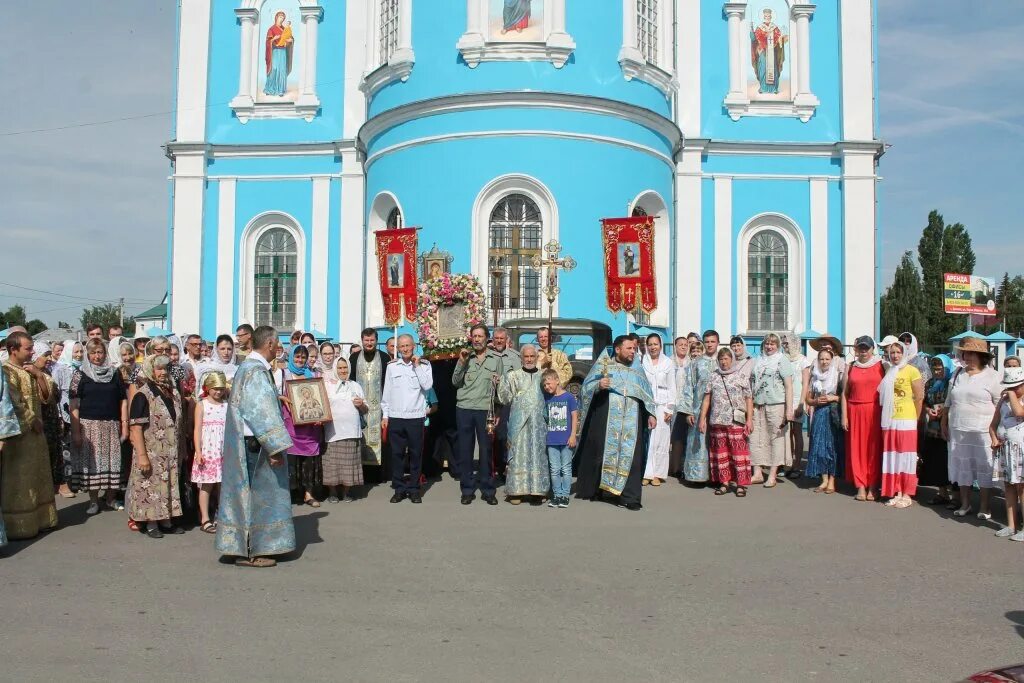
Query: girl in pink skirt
{"type": "Point", "coordinates": [211, 411]}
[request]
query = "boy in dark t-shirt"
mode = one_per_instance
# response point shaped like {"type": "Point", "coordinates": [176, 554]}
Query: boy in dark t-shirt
{"type": "Point", "coordinates": [563, 414]}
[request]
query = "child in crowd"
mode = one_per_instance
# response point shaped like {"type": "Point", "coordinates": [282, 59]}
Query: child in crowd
{"type": "Point", "coordinates": [563, 415]}
{"type": "Point", "coordinates": [210, 415]}
{"type": "Point", "coordinates": [1007, 433]}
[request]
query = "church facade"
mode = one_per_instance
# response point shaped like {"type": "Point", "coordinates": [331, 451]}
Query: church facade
{"type": "Point", "coordinates": [748, 130]}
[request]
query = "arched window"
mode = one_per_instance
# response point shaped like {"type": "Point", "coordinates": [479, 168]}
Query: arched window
{"type": "Point", "coordinates": [515, 232]}
{"type": "Point", "coordinates": [275, 279]}
{"type": "Point", "coordinates": [767, 282]}
{"type": "Point", "coordinates": [394, 219]}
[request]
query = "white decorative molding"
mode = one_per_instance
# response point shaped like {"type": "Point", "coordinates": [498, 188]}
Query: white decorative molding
{"type": "Point", "coordinates": [193, 72]}
{"type": "Point", "coordinates": [478, 135]}
{"type": "Point", "coordinates": [245, 104]}
{"type": "Point", "coordinates": [262, 150]}
{"type": "Point", "coordinates": [652, 203]}
{"type": "Point", "coordinates": [689, 228]}
{"type": "Point", "coordinates": [860, 240]}
{"type": "Point", "coordinates": [351, 243]}
{"type": "Point", "coordinates": [484, 204]}
{"type": "Point", "coordinates": [226, 255]}
{"type": "Point", "coordinates": [857, 69]}
{"type": "Point", "coordinates": [688, 47]}
{"type": "Point", "coordinates": [380, 207]}
{"type": "Point", "coordinates": [527, 100]}
{"type": "Point", "coordinates": [187, 212]}
{"type": "Point", "coordinates": [803, 102]}
{"type": "Point", "coordinates": [387, 68]}
{"type": "Point", "coordinates": [250, 237]}
{"type": "Point", "coordinates": [723, 257]}
{"type": "Point", "coordinates": [660, 71]}
{"type": "Point", "coordinates": [319, 253]}
{"type": "Point", "coordinates": [796, 315]}
{"type": "Point", "coordinates": [475, 48]}
{"type": "Point", "coordinates": [819, 254]}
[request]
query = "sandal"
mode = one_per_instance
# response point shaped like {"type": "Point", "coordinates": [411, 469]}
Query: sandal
{"type": "Point", "coordinates": [312, 502]}
{"type": "Point", "coordinates": [257, 562]}
{"type": "Point", "coordinates": [860, 497]}
{"type": "Point", "coordinates": [741, 491]}
{"type": "Point", "coordinates": [770, 484]}
{"type": "Point", "coordinates": [832, 490]}
{"type": "Point", "coordinates": [818, 489]}
{"type": "Point", "coordinates": [891, 503]}
{"type": "Point", "coordinates": [208, 527]}
{"type": "Point", "coordinates": [904, 503]}
{"type": "Point", "coordinates": [870, 497]}
{"type": "Point", "coordinates": [721, 490]}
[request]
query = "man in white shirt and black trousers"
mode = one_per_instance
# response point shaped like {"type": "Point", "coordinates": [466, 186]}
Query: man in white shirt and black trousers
{"type": "Point", "coordinates": [403, 405]}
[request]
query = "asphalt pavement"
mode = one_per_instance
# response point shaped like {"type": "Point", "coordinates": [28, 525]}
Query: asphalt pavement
{"type": "Point", "coordinates": [785, 585]}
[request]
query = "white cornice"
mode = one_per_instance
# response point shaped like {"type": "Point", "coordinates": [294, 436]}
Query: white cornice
{"type": "Point", "coordinates": [475, 49]}
{"type": "Point", "coordinates": [800, 149]}
{"type": "Point", "coordinates": [521, 133]}
{"type": "Point", "coordinates": [291, 149]}
{"type": "Point", "coordinates": [635, 66]}
{"type": "Point", "coordinates": [398, 68]}
{"type": "Point", "coordinates": [541, 100]}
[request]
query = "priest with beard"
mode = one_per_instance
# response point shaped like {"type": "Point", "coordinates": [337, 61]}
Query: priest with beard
{"type": "Point", "coordinates": [617, 406]}
{"type": "Point", "coordinates": [368, 367]}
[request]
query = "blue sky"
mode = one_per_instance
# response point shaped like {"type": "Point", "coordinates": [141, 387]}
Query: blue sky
{"type": "Point", "coordinates": [86, 208]}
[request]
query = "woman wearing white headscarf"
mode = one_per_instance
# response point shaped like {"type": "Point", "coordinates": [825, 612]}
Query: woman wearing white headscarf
{"type": "Point", "coordinates": [901, 394]}
{"type": "Point", "coordinates": [62, 371]}
{"type": "Point", "coordinates": [99, 425]}
{"type": "Point", "coordinates": [822, 395]}
{"type": "Point", "coordinates": [791, 347]}
{"type": "Point", "coordinates": [221, 360]}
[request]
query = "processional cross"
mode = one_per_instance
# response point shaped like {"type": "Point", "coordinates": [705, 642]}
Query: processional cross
{"type": "Point", "coordinates": [553, 262]}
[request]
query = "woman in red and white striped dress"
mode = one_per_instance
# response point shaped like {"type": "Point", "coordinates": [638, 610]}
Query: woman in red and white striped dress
{"type": "Point", "coordinates": [901, 394]}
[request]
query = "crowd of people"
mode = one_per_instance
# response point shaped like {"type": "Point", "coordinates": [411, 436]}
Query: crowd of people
{"type": "Point", "coordinates": [180, 432]}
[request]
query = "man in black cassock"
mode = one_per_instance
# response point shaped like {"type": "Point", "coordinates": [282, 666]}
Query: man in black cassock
{"type": "Point", "coordinates": [617, 409]}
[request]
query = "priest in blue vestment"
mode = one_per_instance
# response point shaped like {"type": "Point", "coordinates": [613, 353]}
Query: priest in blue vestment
{"type": "Point", "coordinates": [255, 516]}
{"type": "Point", "coordinates": [617, 408]}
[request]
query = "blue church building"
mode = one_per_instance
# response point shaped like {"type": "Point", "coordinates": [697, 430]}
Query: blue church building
{"type": "Point", "coordinates": [747, 129]}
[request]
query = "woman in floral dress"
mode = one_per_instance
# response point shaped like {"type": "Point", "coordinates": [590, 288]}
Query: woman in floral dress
{"type": "Point", "coordinates": [156, 416]}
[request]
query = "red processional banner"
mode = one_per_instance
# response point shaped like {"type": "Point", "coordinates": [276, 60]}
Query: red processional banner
{"type": "Point", "coordinates": [396, 265]}
{"type": "Point", "coordinates": [629, 264]}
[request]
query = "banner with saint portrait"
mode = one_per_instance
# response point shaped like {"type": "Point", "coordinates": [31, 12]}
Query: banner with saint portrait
{"type": "Point", "coordinates": [396, 265]}
{"type": "Point", "coordinates": [629, 264]}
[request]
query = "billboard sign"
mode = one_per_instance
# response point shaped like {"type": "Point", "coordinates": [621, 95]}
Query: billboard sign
{"type": "Point", "coordinates": [971, 294]}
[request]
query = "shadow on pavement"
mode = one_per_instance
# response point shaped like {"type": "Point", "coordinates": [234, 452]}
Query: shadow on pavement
{"type": "Point", "coordinates": [307, 530]}
{"type": "Point", "coordinates": [1017, 617]}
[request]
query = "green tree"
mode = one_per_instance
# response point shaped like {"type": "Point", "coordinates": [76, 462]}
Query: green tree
{"type": "Point", "coordinates": [903, 304]}
{"type": "Point", "coordinates": [35, 326]}
{"type": "Point", "coordinates": [1010, 303]}
{"type": "Point", "coordinates": [15, 315]}
{"type": "Point", "coordinates": [105, 315]}
{"type": "Point", "coordinates": [942, 249]}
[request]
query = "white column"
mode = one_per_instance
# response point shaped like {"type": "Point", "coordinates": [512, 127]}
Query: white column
{"type": "Point", "coordinates": [248, 19]}
{"type": "Point", "coordinates": [355, 66]}
{"type": "Point", "coordinates": [474, 19]}
{"type": "Point", "coordinates": [318, 285]}
{"type": "Point", "coordinates": [187, 240]}
{"type": "Point", "coordinates": [354, 243]}
{"type": "Point", "coordinates": [856, 52]}
{"type": "Point", "coordinates": [404, 51]}
{"type": "Point", "coordinates": [803, 99]}
{"type": "Point", "coordinates": [859, 244]}
{"type": "Point", "coordinates": [629, 51]}
{"type": "Point", "coordinates": [735, 11]}
{"type": "Point", "coordinates": [723, 258]}
{"type": "Point", "coordinates": [688, 69]}
{"type": "Point", "coordinates": [308, 102]}
{"type": "Point", "coordinates": [689, 229]}
{"type": "Point", "coordinates": [227, 279]}
{"type": "Point", "coordinates": [819, 255]}
{"type": "Point", "coordinates": [193, 63]}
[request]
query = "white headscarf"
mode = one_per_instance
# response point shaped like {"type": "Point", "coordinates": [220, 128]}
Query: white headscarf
{"type": "Point", "coordinates": [911, 348]}
{"type": "Point", "coordinates": [39, 348]}
{"type": "Point", "coordinates": [824, 381]}
{"type": "Point", "coordinates": [887, 389]}
{"type": "Point", "coordinates": [69, 351]}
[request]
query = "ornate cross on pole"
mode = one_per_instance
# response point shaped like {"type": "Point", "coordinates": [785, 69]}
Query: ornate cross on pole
{"type": "Point", "coordinates": [553, 262]}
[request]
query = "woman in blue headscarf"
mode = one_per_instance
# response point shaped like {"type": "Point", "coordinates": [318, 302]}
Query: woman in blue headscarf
{"type": "Point", "coordinates": [305, 466]}
{"type": "Point", "coordinates": [933, 468]}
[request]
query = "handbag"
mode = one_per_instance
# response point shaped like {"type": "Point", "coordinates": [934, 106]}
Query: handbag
{"type": "Point", "coordinates": [739, 415]}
